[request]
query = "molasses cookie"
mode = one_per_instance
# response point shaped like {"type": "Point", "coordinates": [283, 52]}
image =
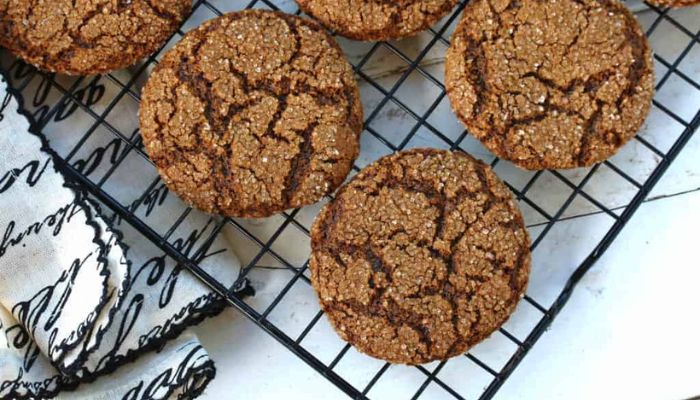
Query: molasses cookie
{"type": "Point", "coordinates": [420, 256]}
{"type": "Point", "coordinates": [550, 84]}
{"type": "Point", "coordinates": [377, 19]}
{"type": "Point", "coordinates": [88, 37]}
{"type": "Point", "coordinates": [252, 113]}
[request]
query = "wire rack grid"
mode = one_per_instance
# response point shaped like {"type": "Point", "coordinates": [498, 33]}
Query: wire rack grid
{"type": "Point", "coordinates": [391, 75]}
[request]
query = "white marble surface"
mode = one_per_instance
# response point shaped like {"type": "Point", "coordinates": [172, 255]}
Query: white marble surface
{"type": "Point", "coordinates": [630, 330]}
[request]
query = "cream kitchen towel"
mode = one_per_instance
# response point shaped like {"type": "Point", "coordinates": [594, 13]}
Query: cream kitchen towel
{"type": "Point", "coordinates": [80, 299]}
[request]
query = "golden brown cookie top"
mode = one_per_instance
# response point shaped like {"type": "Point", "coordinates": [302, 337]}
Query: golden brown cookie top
{"type": "Point", "coordinates": [550, 84]}
{"type": "Point", "coordinates": [377, 19]}
{"type": "Point", "coordinates": [81, 37]}
{"type": "Point", "coordinates": [252, 113]}
{"type": "Point", "coordinates": [5, 38]}
{"type": "Point", "coordinates": [420, 256]}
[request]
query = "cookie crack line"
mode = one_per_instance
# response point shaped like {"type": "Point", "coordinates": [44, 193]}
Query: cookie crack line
{"type": "Point", "coordinates": [296, 130]}
{"type": "Point", "coordinates": [164, 13]}
{"type": "Point", "coordinates": [283, 88]}
{"type": "Point", "coordinates": [300, 164]}
{"type": "Point", "coordinates": [201, 88]}
{"type": "Point", "coordinates": [590, 85]}
{"type": "Point", "coordinates": [327, 239]}
{"type": "Point", "coordinates": [278, 90]}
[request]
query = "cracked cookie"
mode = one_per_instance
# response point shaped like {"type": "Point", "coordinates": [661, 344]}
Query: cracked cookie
{"type": "Point", "coordinates": [420, 256]}
{"type": "Point", "coordinates": [377, 19]}
{"type": "Point", "coordinates": [550, 84]}
{"type": "Point", "coordinates": [252, 113]}
{"type": "Point", "coordinates": [88, 36]}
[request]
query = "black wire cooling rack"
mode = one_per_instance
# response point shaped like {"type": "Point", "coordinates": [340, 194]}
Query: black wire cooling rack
{"type": "Point", "coordinates": [405, 106]}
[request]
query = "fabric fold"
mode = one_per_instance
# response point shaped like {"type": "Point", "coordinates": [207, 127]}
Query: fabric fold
{"type": "Point", "coordinates": [79, 298]}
